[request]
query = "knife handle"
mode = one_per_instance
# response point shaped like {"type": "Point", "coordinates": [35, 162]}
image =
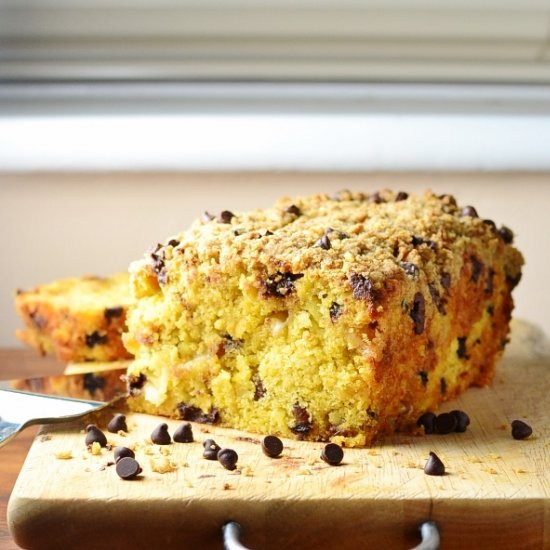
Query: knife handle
{"type": "Point", "coordinates": [428, 532]}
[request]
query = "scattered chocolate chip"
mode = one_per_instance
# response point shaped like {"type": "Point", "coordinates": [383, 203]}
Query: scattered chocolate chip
{"type": "Point", "coordinates": [427, 420]}
{"type": "Point", "coordinates": [272, 446]}
{"type": "Point", "coordinates": [376, 198]}
{"type": "Point", "coordinates": [117, 423]}
{"type": "Point", "coordinates": [259, 389]}
{"type": "Point", "coordinates": [123, 452]}
{"type": "Point", "coordinates": [442, 386]}
{"type": "Point", "coordinates": [434, 466]}
{"type": "Point", "coordinates": [195, 414]}
{"type": "Point", "coordinates": [95, 435]}
{"type": "Point", "coordinates": [335, 311]}
{"type": "Point", "coordinates": [128, 468]}
{"type": "Point", "coordinates": [226, 216]}
{"type": "Point", "coordinates": [417, 241]}
{"type": "Point", "coordinates": [268, 233]}
{"type": "Point", "coordinates": [281, 284]}
{"type": "Point", "coordinates": [113, 312]}
{"type": "Point", "coordinates": [401, 196]}
{"type": "Point", "coordinates": [95, 338]}
{"type": "Point", "coordinates": [506, 234]}
{"type": "Point", "coordinates": [446, 280]}
{"type": "Point", "coordinates": [93, 382]}
{"type": "Point", "coordinates": [490, 282]}
{"type": "Point", "coordinates": [159, 267]}
{"type": "Point", "coordinates": [521, 430]}
{"type": "Point", "coordinates": [183, 433]}
{"type": "Point", "coordinates": [418, 313]}
{"type": "Point", "coordinates": [445, 423]}
{"type": "Point", "coordinates": [469, 211]}
{"type": "Point", "coordinates": [461, 349]}
{"type": "Point", "coordinates": [324, 243]}
{"type": "Point", "coordinates": [362, 287]}
{"type": "Point", "coordinates": [228, 458]}
{"type": "Point", "coordinates": [135, 383]}
{"type": "Point", "coordinates": [301, 428]}
{"type": "Point", "coordinates": [160, 435]}
{"type": "Point", "coordinates": [303, 422]}
{"type": "Point", "coordinates": [300, 414]}
{"type": "Point", "coordinates": [437, 300]}
{"type": "Point", "coordinates": [332, 454]}
{"type": "Point", "coordinates": [410, 269]}
{"type": "Point", "coordinates": [423, 377]}
{"type": "Point", "coordinates": [462, 420]}
{"type": "Point", "coordinates": [211, 449]}
{"type": "Point", "coordinates": [477, 268]}
{"type": "Point", "coordinates": [294, 210]}
{"type": "Point", "coordinates": [490, 309]}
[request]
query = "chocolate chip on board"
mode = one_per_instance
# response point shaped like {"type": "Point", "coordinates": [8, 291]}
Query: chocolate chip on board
{"type": "Point", "coordinates": [521, 430]}
{"type": "Point", "coordinates": [160, 435]}
{"type": "Point", "coordinates": [272, 446]}
{"type": "Point", "coordinates": [95, 435]}
{"type": "Point", "coordinates": [128, 468]}
{"type": "Point", "coordinates": [434, 466]}
{"type": "Point", "coordinates": [462, 420]}
{"type": "Point", "coordinates": [332, 454]}
{"type": "Point", "coordinates": [228, 458]}
{"type": "Point", "coordinates": [211, 449]}
{"type": "Point", "coordinates": [445, 423]}
{"type": "Point", "coordinates": [117, 424]}
{"type": "Point", "coordinates": [427, 420]}
{"type": "Point", "coordinates": [123, 452]}
{"type": "Point", "coordinates": [183, 433]}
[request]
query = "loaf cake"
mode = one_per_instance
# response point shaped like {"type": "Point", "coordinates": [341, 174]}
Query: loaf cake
{"type": "Point", "coordinates": [323, 318]}
{"type": "Point", "coordinates": [77, 319]}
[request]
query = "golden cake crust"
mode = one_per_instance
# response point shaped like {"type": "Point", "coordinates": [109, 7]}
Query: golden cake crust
{"type": "Point", "coordinates": [337, 318]}
{"type": "Point", "coordinates": [78, 319]}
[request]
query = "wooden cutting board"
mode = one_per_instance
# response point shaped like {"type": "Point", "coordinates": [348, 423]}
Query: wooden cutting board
{"type": "Point", "coordinates": [495, 493]}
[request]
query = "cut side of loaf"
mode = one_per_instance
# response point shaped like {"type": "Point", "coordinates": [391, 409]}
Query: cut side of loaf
{"type": "Point", "coordinates": [323, 318]}
{"type": "Point", "coordinates": [77, 319]}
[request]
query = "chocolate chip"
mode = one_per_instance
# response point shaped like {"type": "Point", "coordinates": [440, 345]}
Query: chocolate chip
{"type": "Point", "coordinates": [95, 338]}
{"type": "Point", "coordinates": [281, 284]}
{"type": "Point", "coordinates": [195, 414]}
{"type": "Point", "coordinates": [324, 243]}
{"type": "Point", "coordinates": [93, 382]}
{"type": "Point", "coordinates": [362, 287]}
{"type": "Point", "coordinates": [226, 216]}
{"type": "Point", "coordinates": [113, 312]}
{"type": "Point", "coordinates": [95, 435]}
{"type": "Point", "coordinates": [434, 466]}
{"type": "Point", "coordinates": [135, 383]}
{"type": "Point", "coordinates": [272, 446]}
{"type": "Point", "coordinates": [446, 280]}
{"type": "Point", "coordinates": [332, 454]}
{"type": "Point", "coordinates": [335, 311]}
{"type": "Point", "coordinates": [302, 428]}
{"type": "Point", "coordinates": [490, 282]}
{"type": "Point", "coordinates": [37, 319]}
{"type": "Point", "coordinates": [491, 224]}
{"type": "Point", "coordinates": [128, 468]}
{"type": "Point", "coordinates": [442, 386]}
{"type": "Point", "coordinates": [448, 199]}
{"type": "Point", "coordinates": [294, 210]}
{"type": "Point", "coordinates": [401, 196]}
{"type": "Point", "coordinates": [427, 420]}
{"type": "Point", "coordinates": [462, 420]}
{"type": "Point", "coordinates": [259, 389]}
{"type": "Point", "coordinates": [160, 435]}
{"type": "Point", "coordinates": [183, 433]}
{"type": "Point", "coordinates": [445, 423]}
{"type": "Point", "coordinates": [477, 268]}
{"type": "Point", "coordinates": [468, 211]}
{"type": "Point", "coordinates": [159, 267]}
{"type": "Point", "coordinates": [506, 234]}
{"type": "Point", "coordinates": [300, 414]}
{"type": "Point", "coordinates": [417, 241]}
{"type": "Point", "coordinates": [376, 198]}
{"type": "Point", "coordinates": [228, 458]}
{"type": "Point", "coordinates": [207, 217]}
{"type": "Point", "coordinates": [418, 313]}
{"type": "Point", "coordinates": [521, 430]}
{"type": "Point", "coordinates": [461, 349]}
{"type": "Point", "coordinates": [123, 452]}
{"type": "Point", "coordinates": [513, 281]}
{"type": "Point", "coordinates": [268, 233]}
{"type": "Point", "coordinates": [437, 300]}
{"type": "Point", "coordinates": [423, 377]}
{"type": "Point", "coordinates": [410, 269]}
{"type": "Point", "coordinates": [211, 449]}
{"type": "Point", "coordinates": [303, 422]}
{"type": "Point", "coordinates": [117, 424]}
{"type": "Point", "coordinates": [490, 309]}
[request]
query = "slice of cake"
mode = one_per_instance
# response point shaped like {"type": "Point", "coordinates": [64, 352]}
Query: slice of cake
{"type": "Point", "coordinates": [322, 318]}
{"type": "Point", "coordinates": [77, 319]}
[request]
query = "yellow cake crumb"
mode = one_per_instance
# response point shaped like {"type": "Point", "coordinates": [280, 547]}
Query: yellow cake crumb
{"type": "Point", "coordinates": [64, 455]}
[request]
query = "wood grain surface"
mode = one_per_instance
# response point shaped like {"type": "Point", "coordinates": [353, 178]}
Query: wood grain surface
{"type": "Point", "coordinates": [495, 493]}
